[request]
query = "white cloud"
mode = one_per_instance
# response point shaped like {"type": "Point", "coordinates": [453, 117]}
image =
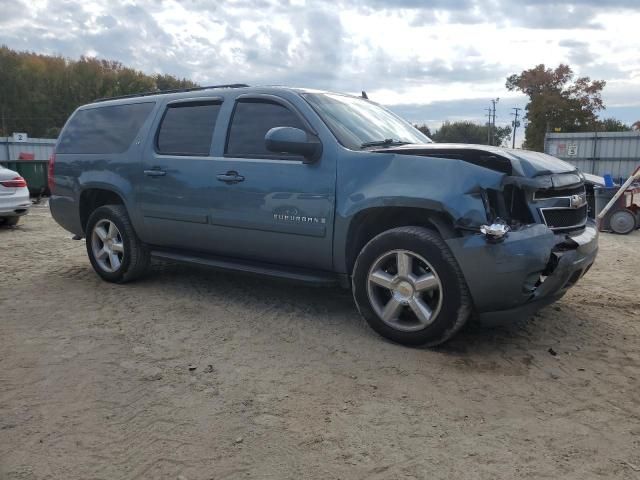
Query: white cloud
{"type": "Point", "coordinates": [435, 59]}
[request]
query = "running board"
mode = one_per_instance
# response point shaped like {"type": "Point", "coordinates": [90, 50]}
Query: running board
{"type": "Point", "coordinates": [314, 277]}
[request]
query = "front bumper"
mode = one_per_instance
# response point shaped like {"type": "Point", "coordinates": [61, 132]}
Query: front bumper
{"type": "Point", "coordinates": [531, 268]}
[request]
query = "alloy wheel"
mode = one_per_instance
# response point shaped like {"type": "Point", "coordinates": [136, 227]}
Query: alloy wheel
{"type": "Point", "coordinates": [404, 290]}
{"type": "Point", "coordinates": [107, 245]}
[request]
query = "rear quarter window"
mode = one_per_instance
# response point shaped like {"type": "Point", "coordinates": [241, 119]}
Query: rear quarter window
{"type": "Point", "coordinates": [187, 128]}
{"type": "Point", "coordinates": [108, 129]}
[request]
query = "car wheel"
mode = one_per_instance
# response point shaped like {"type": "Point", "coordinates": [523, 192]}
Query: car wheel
{"type": "Point", "coordinates": [115, 251]}
{"type": "Point", "coordinates": [10, 221]}
{"type": "Point", "coordinates": [409, 288]}
{"type": "Point", "coordinates": [623, 222]}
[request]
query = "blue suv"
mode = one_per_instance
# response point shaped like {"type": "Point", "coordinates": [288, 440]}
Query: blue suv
{"type": "Point", "coordinates": [323, 188]}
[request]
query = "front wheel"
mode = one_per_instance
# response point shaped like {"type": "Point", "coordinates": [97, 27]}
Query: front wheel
{"type": "Point", "coordinates": [115, 251]}
{"type": "Point", "coordinates": [409, 288]}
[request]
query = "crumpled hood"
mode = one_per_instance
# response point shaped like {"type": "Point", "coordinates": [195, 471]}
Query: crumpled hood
{"type": "Point", "coordinates": [534, 164]}
{"type": "Point", "coordinates": [522, 163]}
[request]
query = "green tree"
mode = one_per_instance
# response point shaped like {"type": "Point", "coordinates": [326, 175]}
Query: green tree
{"type": "Point", "coordinates": [469, 132]}
{"type": "Point", "coordinates": [169, 82]}
{"type": "Point", "coordinates": [502, 135]}
{"type": "Point", "coordinates": [612, 125]}
{"type": "Point", "coordinates": [557, 102]}
{"type": "Point", "coordinates": [424, 128]}
{"type": "Point", "coordinates": [39, 92]}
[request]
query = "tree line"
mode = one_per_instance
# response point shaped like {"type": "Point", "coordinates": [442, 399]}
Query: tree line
{"type": "Point", "coordinates": [560, 103]}
{"type": "Point", "coordinates": [557, 103]}
{"type": "Point", "coordinates": [466, 131]}
{"type": "Point", "coordinates": [39, 92]}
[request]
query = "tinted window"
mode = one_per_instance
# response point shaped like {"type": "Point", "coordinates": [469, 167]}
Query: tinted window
{"type": "Point", "coordinates": [187, 129]}
{"type": "Point", "coordinates": [251, 122]}
{"type": "Point", "coordinates": [104, 129]}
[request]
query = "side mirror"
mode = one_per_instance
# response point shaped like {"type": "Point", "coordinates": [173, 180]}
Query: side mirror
{"type": "Point", "coordinates": [294, 141]}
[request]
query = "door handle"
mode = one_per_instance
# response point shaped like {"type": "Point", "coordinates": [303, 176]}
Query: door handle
{"type": "Point", "coordinates": [230, 177]}
{"type": "Point", "coordinates": [155, 172]}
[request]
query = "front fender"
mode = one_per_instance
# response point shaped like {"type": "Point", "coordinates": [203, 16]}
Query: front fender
{"type": "Point", "coordinates": [370, 179]}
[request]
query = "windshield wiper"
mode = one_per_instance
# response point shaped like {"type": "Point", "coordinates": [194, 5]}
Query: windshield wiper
{"type": "Point", "coordinates": [382, 143]}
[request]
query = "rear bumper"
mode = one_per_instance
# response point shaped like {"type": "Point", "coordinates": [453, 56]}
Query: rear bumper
{"type": "Point", "coordinates": [65, 212]}
{"type": "Point", "coordinates": [532, 268]}
{"type": "Point", "coordinates": [16, 204]}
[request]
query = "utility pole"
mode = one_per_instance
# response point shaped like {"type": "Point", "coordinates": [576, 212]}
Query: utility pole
{"type": "Point", "coordinates": [491, 125]}
{"type": "Point", "coordinates": [488, 125]}
{"type": "Point", "coordinates": [516, 124]}
{"type": "Point", "coordinates": [493, 130]}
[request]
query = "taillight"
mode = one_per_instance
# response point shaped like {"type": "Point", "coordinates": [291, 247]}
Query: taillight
{"type": "Point", "coordinates": [50, 179]}
{"type": "Point", "coordinates": [17, 182]}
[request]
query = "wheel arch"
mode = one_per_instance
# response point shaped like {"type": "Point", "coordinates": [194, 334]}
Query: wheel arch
{"type": "Point", "coordinates": [369, 222]}
{"type": "Point", "coordinates": [96, 196]}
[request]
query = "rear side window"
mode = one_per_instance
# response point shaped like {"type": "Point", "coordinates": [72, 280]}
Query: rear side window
{"type": "Point", "coordinates": [251, 122]}
{"type": "Point", "coordinates": [187, 128]}
{"type": "Point", "coordinates": [103, 130]}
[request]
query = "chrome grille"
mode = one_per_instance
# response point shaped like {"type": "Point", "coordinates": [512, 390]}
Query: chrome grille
{"type": "Point", "coordinates": [562, 208]}
{"type": "Point", "coordinates": [564, 218]}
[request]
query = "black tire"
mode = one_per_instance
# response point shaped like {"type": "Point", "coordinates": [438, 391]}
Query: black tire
{"type": "Point", "coordinates": [135, 257]}
{"type": "Point", "coordinates": [10, 221]}
{"type": "Point", "coordinates": [453, 299]}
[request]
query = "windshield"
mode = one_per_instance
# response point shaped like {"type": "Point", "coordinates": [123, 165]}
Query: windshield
{"type": "Point", "coordinates": [358, 123]}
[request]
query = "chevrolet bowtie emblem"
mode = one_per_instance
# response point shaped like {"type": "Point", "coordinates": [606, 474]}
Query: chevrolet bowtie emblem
{"type": "Point", "coordinates": [578, 201]}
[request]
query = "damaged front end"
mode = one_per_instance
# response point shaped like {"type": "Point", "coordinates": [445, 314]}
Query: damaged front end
{"type": "Point", "coordinates": [537, 243]}
{"type": "Point", "coordinates": [535, 240]}
{"type": "Point", "coordinates": [530, 268]}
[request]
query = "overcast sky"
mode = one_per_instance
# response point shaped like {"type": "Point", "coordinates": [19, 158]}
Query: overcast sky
{"type": "Point", "coordinates": [429, 60]}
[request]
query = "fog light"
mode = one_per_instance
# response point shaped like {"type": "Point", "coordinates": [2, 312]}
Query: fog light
{"type": "Point", "coordinates": [496, 231]}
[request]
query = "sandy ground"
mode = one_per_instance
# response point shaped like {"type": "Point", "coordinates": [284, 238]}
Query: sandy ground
{"type": "Point", "coordinates": [195, 374]}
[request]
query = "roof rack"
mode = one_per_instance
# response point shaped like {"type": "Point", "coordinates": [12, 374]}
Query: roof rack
{"type": "Point", "coordinates": [177, 90]}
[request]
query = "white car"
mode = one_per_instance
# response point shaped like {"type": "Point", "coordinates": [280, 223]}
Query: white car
{"type": "Point", "coordinates": [14, 197]}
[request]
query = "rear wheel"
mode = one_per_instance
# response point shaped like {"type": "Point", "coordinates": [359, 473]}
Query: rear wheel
{"type": "Point", "coordinates": [115, 251]}
{"type": "Point", "coordinates": [409, 288]}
